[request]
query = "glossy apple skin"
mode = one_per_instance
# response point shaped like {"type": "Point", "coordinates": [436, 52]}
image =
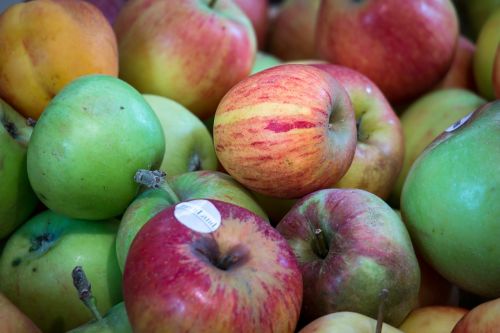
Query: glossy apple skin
{"type": "Point", "coordinates": [286, 131]}
{"type": "Point", "coordinates": [484, 318]}
{"type": "Point", "coordinates": [188, 143]}
{"type": "Point", "coordinates": [452, 192]}
{"type": "Point", "coordinates": [172, 283]}
{"type": "Point", "coordinates": [256, 11]}
{"type": "Point", "coordinates": [17, 199]}
{"type": "Point", "coordinates": [46, 45]}
{"type": "Point", "coordinates": [87, 146]}
{"type": "Point", "coordinates": [292, 31]}
{"type": "Point", "coordinates": [379, 150]}
{"type": "Point", "coordinates": [14, 321]}
{"type": "Point", "coordinates": [404, 63]}
{"type": "Point", "coordinates": [184, 50]}
{"type": "Point", "coordinates": [368, 249]}
{"type": "Point", "coordinates": [484, 57]}
{"type": "Point", "coordinates": [433, 319]}
{"type": "Point", "coordinates": [425, 119]}
{"type": "Point", "coordinates": [461, 72]}
{"type": "Point", "coordinates": [192, 185]}
{"type": "Point", "coordinates": [346, 322]}
{"type": "Point", "coordinates": [36, 265]}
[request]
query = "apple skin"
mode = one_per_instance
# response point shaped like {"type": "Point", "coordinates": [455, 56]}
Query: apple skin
{"type": "Point", "coordinates": [36, 265]}
{"type": "Point", "coordinates": [110, 8]}
{"type": "Point", "coordinates": [87, 146]}
{"type": "Point", "coordinates": [17, 199]}
{"type": "Point", "coordinates": [192, 185]}
{"type": "Point", "coordinates": [484, 318]}
{"type": "Point", "coordinates": [256, 11]}
{"type": "Point", "coordinates": [367, 249]}
{"type": "Point", "coordinates": [264, 61]}
{"type": "Point", "coordinates": [173, 273]}
{"type": "Point", "coordinates": [292, 31]}
{"type": "Point", "coordinates": [496, 73]}
{"type": "Point", "coordinates": [379, 150]}
{"type": "Point", "coordinates": [434, 289]}
{"type": "Point", "coordinates": [452, 192]}
{"type": "Point", "coordinates": [286, 131]}
{"type": "Point", "coordinates": [484, 57]}
{"type": "Point", "coordinates": [461, 72]}
{"type": "Point", "coordinates": [405, 63]}
{"type": "Point", "coordinates": [188, 143]}
{"type": "Point", "coordinates": [477, 12]}
{"type": "Point", "coordinates": [346, 322]}
{"type": "Point", "coordinates": [115, 321]}
{"type": "Point", "coordinates": [14, 321]}
{"type": "Point", "coordinates": [46, 45]}
{"type": "Point", "coordinates": [425, 119]}
{"type": "Point", "coordinates": [185, 50]}
{"type": "Point", "coordinates": [433, 319]}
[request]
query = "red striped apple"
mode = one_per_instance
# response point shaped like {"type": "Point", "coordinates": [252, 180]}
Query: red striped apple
{"type": "Point", "coordinates": [286, 131]}
{"type": "Point", "coordinates": [256, 11]}
{"type": "Point", "coordinates": [239, 275]}
{"type": "Point", "coordinates": [405, 47]}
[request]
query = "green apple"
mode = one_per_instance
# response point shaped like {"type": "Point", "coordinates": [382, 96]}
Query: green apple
{"type": "Point", "coordinates": [17, 199]}
{"type": "Point", "coordinates": [450, 202]}
{"type": "Point", "coordinates": [484, 57]}
{"type": "Point", "coordinates": [425, 119]}
{"type": "Point", "coordinates": [115, 321]}
{"type": "Point", "coordinates": [89, 143]}
{"type": "Point", "coordinates": [192, 185]}
{"type": "Point", "coordinates": [188, 143]}
{"type": "Point", "coordinates": [264, 61]}
{"type": "Point", "coordinates": [36, 266]}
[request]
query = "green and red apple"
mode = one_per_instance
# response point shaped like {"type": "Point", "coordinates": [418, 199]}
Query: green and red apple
{"type": "Point", "coordinates": [450, 201]}
{"type": "Point", "coordinates": [89, 143]}
{"type": "Point", "coordinates": [257, 13]}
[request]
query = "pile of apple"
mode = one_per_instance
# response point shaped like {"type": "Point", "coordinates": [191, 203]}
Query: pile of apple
{"type": "Point", "coordinates": [248, 166]}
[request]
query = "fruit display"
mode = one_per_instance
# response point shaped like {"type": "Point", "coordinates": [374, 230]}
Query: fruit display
{"type": "Point", "coordinates": [260, 166]}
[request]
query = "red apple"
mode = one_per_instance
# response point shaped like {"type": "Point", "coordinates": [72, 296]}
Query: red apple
{"type": "Point", "coordinates": [379, 149]}
{"type": "Point", "coordinates": [239, 276]}
{"type": "Point", "coordinates": [292, 31]}
{"type": "Point", "coordinates": [405, 47]}
{"type": "Point", "coordinates": [256, 11]}
{"type": "Point", "coordinates": [484, 318]}
{"type": "Point", "coordinates": [191, 51]}
{"type": "Point", "coordinates": [461, 72]}
{"type": "Point", "coordinates": [286, 131]}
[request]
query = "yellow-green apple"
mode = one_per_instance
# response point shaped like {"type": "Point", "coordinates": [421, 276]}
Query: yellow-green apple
{"type": "Point", "coordinates": [286, 131]}
{"type": "Point", "coordinates": [257, 12]}
{"type": "Point", "coordinates": [451, 193]}
{"type": "Point", "coordinates": [405, 47]}
{"type": "Point", "coordinates": [239, 275]}
{"type": "Point", "coordinates": [461, 72]}
{"type": "Point", "coordinates": [264, 61]}
{"type": "Point", "coordinates": [191, 185]}
{"type": "Point", "coordinates": [36, 265]}
{"type": "Point", "coordinates": [347, 322]}
{"type": "Point", "coordinates": [192, 51]}
{"type": "Point", "coordinates": [484, 318]}
{"type": "Point", "coordinates": [188, 143]}
{"type": "Point", "coordinates": [89, 143]}
{"type": "Point", "coordinates": [432, 319]}
{"type": "Point", "coordinates": [350, 246]}
{"type": "Point", "coordinates": [379, 149]}
{"type": "Point", "coordinates": [110, 8]}
{"type": "Point", "coordinates": [45, 44]}
{"type": "Point", "coordinates": [17, 199]}
{"type": "Point", "coordinates": [425, 119]}
{"type": "Point", "coordinates": [292, 31]}
{"type": "Point", "coordinates": [14, 321]}
{"type": "Point", "coordinates": [484, 58]}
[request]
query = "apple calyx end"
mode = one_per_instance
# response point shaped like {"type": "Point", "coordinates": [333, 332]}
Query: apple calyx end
{"type": "Point", "coordinates": [150, 178]}
{"type": "Point", "coordinates": [84, 289]}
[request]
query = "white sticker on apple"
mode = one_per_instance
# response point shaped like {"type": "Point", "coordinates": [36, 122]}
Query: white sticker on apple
{"type": "Point", "coordinates": [458, 123]}
{"type": "Point", "coordinates": [198, 215]}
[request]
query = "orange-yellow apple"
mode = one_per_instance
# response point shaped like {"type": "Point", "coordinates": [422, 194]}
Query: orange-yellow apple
{"type": "Point", "coordinates": [12, 320]}
{"type": "Point", "coordinates": [405, 47]}
{"type": "Point", "coordinates": [346, 322]}
{"type": "Point", "coordinates": [432, 319]}
{"type": "Point", "coordinates": [461, 73]}
{"type": "Point", "coordinates": [256, 11]}
{"type": "Point", "coordinates": [286, 131]}
{"type": "Point", "coordinates": [45, 44]}
{"type": "Point", "coordinates": [484, 318]}
{"type": "Point", "coordinates": [191, 51]}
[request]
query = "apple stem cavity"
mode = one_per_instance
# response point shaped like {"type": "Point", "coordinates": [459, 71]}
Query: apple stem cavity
{"type": "Point", "coordinates": [361, 136]}
{"type": "Point", "coordinates": [194, 163]}
{"type": "Point", "coordinates": [150, 178]}
{"type": "Point", "coordinates": [380, 316]}
{"type": "Point", "coordinates": [31, 122]}
{"type": "Point", "coordinates": [321, 244]}
{"type": "Point", "coordinates": [84, 289]}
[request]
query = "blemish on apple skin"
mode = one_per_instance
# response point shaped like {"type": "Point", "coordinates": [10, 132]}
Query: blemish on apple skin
{"type": "Point", "coordinates": [16, 262]}
{"type": "Point", "coordinates": [34, 269]}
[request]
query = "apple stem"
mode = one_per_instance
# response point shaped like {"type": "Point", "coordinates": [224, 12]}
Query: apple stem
{"type": "Point", "coordinates": [212, 3]}
{"type": "Point", "coordinates": [150, 178]}
{"type": "Point", "coordinates": [322, 246]}
{"type": "Point", "coordinates": [31, 122]}
{"type": "Point", "coordinates": [83, 287]}
{"type": "Point", "coordinates": [380, 316]}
